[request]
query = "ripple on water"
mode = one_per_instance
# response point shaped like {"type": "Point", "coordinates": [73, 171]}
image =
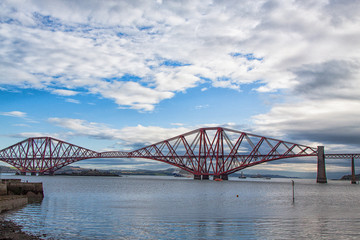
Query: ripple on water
{"type": "Point", "coordinates": [174, 208]}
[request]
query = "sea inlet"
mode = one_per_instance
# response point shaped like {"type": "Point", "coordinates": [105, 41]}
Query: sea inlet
{"type": "Point", "coordinates": [156, 207]}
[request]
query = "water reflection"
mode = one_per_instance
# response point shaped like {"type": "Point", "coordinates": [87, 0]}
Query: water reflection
{"type": "Point", "coordinates": [168, 208]}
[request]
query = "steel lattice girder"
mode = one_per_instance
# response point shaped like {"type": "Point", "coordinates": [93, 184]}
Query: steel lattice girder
{"type": "Point", "coordinates": [44, 154]}
{"type": "Point", "coordinates": [343, 156]}
{"type": "Point", "coordinates": [205, 151]}
{"type": "Point", "coordinates": [218, 151]}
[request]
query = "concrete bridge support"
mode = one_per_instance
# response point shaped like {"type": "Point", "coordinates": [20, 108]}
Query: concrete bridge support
{"type": "Point", "coordinates": [197, 177]}
{"type": "Point", "coordinates": [201, 177]}
{"type": "Point", "coordinates": [353, 177]}
{"type": "Point", "coordinates": [205, 177]}
{"type": "Point", "coordinates": [321, 172]}
{"type": "Point", "coordinates": [223, 177]}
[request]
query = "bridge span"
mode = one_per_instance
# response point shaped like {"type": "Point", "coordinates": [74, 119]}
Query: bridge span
{"type": "Point", "coordinates": [203, 152]}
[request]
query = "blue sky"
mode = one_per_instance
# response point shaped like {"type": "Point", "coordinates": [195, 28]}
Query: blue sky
{"type": "Point", "coordinates": [110, 75]}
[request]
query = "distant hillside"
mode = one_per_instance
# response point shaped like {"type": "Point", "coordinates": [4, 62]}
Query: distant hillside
{"type": "Point", "coordinates": [4, 169]}
{"type": "Point", "coordinates": [89, 173]}
{"type": "Point", "coordinates": [78, 171]}
{"type": "Point", "coordinates": [166, 172]}
{"type": "Point", "coordinates": [349, 177]}
{"type": "Point", "coordinates": [260, 175]}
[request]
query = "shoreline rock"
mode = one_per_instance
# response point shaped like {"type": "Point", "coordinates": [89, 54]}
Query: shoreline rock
{"type": "Point", "coordinates": [11, 202]}
{"type": "Point", "coordinates": [10, 230]}
{"type": "Point", "coordinates": [16, 194]}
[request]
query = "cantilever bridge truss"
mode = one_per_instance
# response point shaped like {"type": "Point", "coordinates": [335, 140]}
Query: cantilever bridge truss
{"type": "Point", "coordinates": [202, 152]}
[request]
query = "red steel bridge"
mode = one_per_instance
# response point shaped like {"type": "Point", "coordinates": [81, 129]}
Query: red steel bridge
{"type": "Point", "coordinates": [204, 152]}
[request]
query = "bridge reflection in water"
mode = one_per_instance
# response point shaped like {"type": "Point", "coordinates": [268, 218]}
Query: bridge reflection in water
{"type": "Point", "coordinates": [204, 152]}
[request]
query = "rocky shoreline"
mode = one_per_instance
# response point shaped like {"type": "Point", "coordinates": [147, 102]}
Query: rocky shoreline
{"type": "Point", "coordinates": [10, 230]}
{"type": "Point", "coordinates": [15, 194]}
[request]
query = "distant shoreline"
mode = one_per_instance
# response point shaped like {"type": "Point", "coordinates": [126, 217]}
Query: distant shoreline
{"type": "Point", "coordinates": [89, 173]}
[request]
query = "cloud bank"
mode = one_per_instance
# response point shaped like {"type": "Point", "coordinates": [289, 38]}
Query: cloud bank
{"type": "Point", "coordinates": [140, 53]}
{"type": "Point", "coordinates": [133, 137]}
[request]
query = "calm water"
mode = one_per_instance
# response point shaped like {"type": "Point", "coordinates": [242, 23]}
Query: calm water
{"type": "Point", "coordinates": [178, 208]}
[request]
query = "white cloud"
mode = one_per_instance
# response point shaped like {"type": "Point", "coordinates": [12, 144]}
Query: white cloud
{"type": "Point", "coordinates": [305, 51]}
{"type": "Point", "coordinates": [36, 134]}
{"type": "Point", "coordinates": [74, 45]}
{"type": "Point", "coordinates": [70, 100]}
{"type": "Point", "coordinates": [322, 107]}
{"type": "Point", "coordinates": [84, 128]}
{"type": "Point", "coordinates": [177, 124]}
{"type": "Point", "coordinates": [131, 94]}
{"type": "Point", "coordinates": [14, 114]}
{"type": "Point", "coordinates": [149, 134]}
{"type": "Point", "coordinates": [198, 107]}
{"type": "Point", "coordinates": [295, 167]}
{"type": "Point", "coordinates": [21, 125]}
{"type": "Point", "coordinates": [64, 92]}
{"type": "Point", "coordinates": [139, 134]}
{"type": "Point", "coordinates": [129, 136]}
{"type": "Point", "coordinates": [316, 120]}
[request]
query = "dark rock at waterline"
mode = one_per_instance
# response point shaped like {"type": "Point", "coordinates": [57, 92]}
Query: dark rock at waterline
{"type": "Point", "coordinates": [10, 230]}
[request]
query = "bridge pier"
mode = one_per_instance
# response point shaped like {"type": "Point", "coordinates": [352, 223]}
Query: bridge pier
{"type": "Point", "coordinates": [321, 172]}
{"type": "Point", "coordinates": [353, 177]}
{"type": "Point", "coordinates": [223, 177]}
{"type": "Point", "coordinates": [205, 177]}
{"type": "Point", "coordinates": [23, 173]}
{"type": "Point", "coordinates": [201, 177]}
{"type": "Point", "coordinates": [197, 177]}
{"type": "Point", "coordinates": [33, 173]}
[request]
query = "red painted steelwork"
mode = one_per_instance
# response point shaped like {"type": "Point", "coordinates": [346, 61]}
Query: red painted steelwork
{"type": "Point", "coordinates": [205, 151]}
{"type": "Point", "coordinates": [44, 154]}
{"type": "Point", "coordinates": [220, 151]}
{"type": "Point", "coordinates": [342, 156]}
